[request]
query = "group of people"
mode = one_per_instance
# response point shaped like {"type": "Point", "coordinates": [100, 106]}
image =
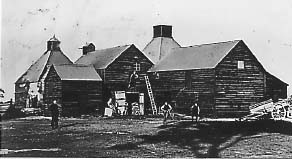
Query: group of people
{"type": "Point", "coordinates": [166, 109]}
{"type": "Point", "coordinates": [114, 108]}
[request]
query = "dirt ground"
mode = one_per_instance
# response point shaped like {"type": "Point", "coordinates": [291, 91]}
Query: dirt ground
{"type": "Point", "coordinates": [148, 137]}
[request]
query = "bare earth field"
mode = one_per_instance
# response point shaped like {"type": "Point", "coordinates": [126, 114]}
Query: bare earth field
{"type": "Point", "coordinates": [100, 137]}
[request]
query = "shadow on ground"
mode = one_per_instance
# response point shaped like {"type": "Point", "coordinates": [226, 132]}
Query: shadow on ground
{"type": "Point", "coordinates": [208, 139]}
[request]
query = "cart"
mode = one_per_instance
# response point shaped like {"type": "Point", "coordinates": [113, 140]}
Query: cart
{"type": "Point", "coordinates": [270, 110]}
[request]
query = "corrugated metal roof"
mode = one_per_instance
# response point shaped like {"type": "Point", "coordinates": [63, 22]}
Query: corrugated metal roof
{"type": "Point", "coordinates": [159, 47]}
{"type": "Point", "coordinates": [35, 70]}
{"type": "Point", "coordinates": [195, 57]}
{"type": "Point", "coordinates": [77, 72]}
{"type": "Point", "coordinates": [100, 59]}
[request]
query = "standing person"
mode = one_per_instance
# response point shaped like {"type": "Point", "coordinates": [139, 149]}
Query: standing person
{"type": "Point", "coordinates": [110, 107]}
{"type": "Point", "coordinates": [195, 110]}
{"type": "Point", "coordinates": [133, 78]}
{"type": "Point", "coordinates": [166, 108]}
{"type": "Point", "coordinates": [110, 103]}
{"type": "Point", "coordinates": [55, 114]}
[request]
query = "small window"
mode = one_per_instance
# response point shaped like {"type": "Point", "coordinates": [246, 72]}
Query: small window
{"type": "Point", "coordinates": [240, 64]}
{"type": "Point", "coordinates": [137, 66]}
{"type": "Point", "coordinates": [156, 75]}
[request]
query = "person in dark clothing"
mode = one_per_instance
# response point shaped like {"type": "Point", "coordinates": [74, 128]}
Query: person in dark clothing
{"type": "Point", "coordinates": [166, 109]}
{"type": "Point", "coordinates": [195, 110]}
{"type": "Point", "coordinates": [55, 114]}
{"type": "Point", "coordinates": [133, 78]}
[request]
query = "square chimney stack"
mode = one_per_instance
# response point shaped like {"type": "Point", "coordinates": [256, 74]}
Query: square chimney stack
{"type": "Point", "coordinates": [162, 31]}
{"type": "Point", "coordinates": [88, 48]}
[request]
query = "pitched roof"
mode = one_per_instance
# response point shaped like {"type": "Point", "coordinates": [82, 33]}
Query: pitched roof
{"type": "Point", "coordinates": [35, 70]}
{"type": "Point", "coordinates": [100, 59]}
{"type": "Point", "coordinates": [195, 57]}
{"type": "Point", "coordinates": [159, 47]}
{"type": "Point", "coordinates": [77, 72]}
{"type": "Point", "coordinates": [269, 74]}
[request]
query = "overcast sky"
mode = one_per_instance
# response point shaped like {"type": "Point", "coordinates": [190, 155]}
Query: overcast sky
{"type": "Point", "coordinates": [265, 26]}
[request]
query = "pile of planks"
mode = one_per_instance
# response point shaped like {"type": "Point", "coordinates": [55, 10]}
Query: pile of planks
{"type": "Point", "coordinates": [273, 110]}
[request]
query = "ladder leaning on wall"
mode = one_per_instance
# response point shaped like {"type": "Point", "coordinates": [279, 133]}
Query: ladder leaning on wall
{"type": "Point", "coordinates": [150, 93]}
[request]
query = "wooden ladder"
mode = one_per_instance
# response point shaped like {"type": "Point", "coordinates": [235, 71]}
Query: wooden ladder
{"type": "Point", "coordinates": [150, 93]}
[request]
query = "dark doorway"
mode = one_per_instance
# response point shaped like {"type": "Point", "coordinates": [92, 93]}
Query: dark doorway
{"type": "Point", "coordinates": [275, 97]}
{"type": "Point", "coordinates": [131, 98]}
{"type": "Point", "coordinates": [107, 93]}
{"type": "Point", "coordinates": [82, 101]}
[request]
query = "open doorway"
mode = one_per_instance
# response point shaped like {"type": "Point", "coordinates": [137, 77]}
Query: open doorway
{"type": "Point", "coordinates": [131, 97]}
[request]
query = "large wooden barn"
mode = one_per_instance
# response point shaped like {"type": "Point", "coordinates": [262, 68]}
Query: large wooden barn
{"type": "Point", "coordinates": [78, 88]}
{"type": "Point", "coordinates": [224, 78]}
{"type": "Point", "coordinates": [29, 86]}
{"type": "Point", "coordinates": [116, 66]}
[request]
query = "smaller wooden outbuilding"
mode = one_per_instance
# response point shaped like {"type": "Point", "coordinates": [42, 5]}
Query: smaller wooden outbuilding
{"type": "Point", "coordinates": [122, 68]}
{"type": "Point", "coordinates": [77, 88]}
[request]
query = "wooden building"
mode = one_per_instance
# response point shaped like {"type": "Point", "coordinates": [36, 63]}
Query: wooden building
{"type": "Point", "coordinates": [224, 78]}
{"type": "Point", "coordinates": [77, 88]}
{"type": "Point", "coordinates": [116, 66]}
{"type": "Point", "coordinates": [29, 86]}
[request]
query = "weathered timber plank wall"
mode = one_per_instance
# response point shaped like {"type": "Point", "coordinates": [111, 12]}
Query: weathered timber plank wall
{"type": "Point", "coordinates": [75, 97]}
{"type": "Point", "coordinates": [83, 97]}
{"type": "Point", "coordinates": [203, 83]}
{"type": "Point", "coordinates": [21, 95]}
{"type": "Point", "coordinates": [53, 88]}
{"type": "Point", "coordinates": [275, 88]}
{"type": "Point", "coordinates": [118, 73]}
{"type": "Point", "coordinates": [166, 85]}
{"type": "Point", "coordinates": [116, 76]}
{"type": "Point", "coordinates": [171, 86]}
{"type": "Point", "coordinates": [236, 88]}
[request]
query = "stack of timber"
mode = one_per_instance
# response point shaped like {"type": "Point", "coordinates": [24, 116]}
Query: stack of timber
{"type": "Point", "coordinates": [262, 106]}
{"type": "Point", "coordinates": [278, 110]}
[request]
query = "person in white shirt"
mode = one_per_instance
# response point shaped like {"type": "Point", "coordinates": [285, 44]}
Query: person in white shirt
{"type": "Point", "coordinates": [166, 109]}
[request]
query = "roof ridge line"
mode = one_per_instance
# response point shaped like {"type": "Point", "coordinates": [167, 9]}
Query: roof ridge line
{"type": "Point", "coordinates": [36, 61]}
{"type": "Point", "coordinates": [112, 47]}
{"type": "Point", "coordinates": [227, 52]}
{"type": "Point", "coordinates": [208, 44]}
{"type": "Point", "coordinates": [72, 65]}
